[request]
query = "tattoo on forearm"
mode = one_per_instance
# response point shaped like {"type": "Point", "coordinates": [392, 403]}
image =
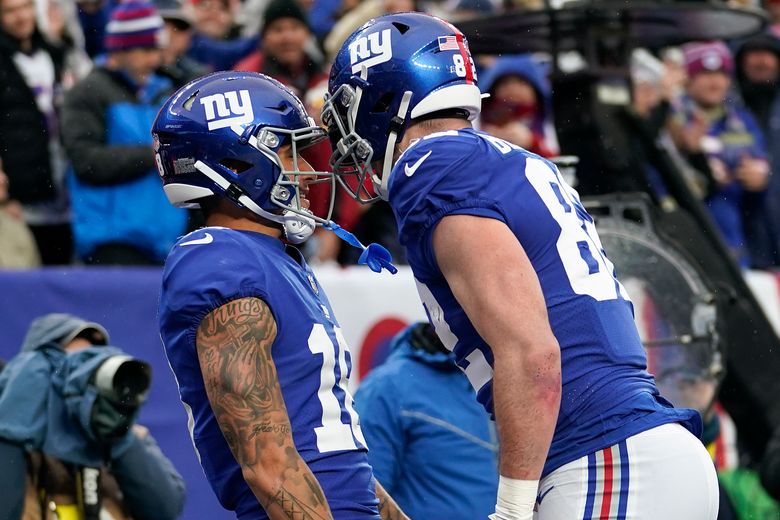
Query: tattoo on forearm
{"type": "Point", "coordinates": [294, 508]}
{"type": "Point", "coordinates": [234, 347]}
{"type": "Point", "coordinates": [388, 509]}
{"type": "Point", "coordinates": [234, 350]}
{"type": "Point", "coordinates": [269, 428]}
{"type": "Point", "coordinates": [315, 489]}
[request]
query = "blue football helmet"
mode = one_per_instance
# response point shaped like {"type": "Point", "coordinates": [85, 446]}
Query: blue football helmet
{"type": "Point", "coordinates": [392, 71]}
{"type": "Point", "coordinates": [220, 134]}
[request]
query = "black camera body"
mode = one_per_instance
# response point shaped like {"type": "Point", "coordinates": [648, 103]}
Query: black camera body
{"type": "Point", "coordinates": [102, 389]}
{"type": "Point", "coordinates": [122, 385]}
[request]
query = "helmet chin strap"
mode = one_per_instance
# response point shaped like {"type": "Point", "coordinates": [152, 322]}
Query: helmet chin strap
{"type": "Point", "coordinates": [380, 185]}
{"type": "Point", "coordinates": [296, 227]}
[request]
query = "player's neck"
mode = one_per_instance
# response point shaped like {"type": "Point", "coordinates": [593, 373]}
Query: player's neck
{"type": "Point", "coordinates": [431, 126]}
{"type": "Point", "coordinates": [241, 221]}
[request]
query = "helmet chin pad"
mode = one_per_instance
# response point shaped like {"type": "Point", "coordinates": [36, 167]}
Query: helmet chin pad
{"type": "Point", "coordinates": [297, 227]}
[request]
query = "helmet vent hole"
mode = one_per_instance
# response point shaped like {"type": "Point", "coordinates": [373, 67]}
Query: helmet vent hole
{"type": "Point", "coordinates": [383, 105]}
{"type": "Point", "coordinates": [282, 107]}
{"type": "Point", "coordinates": [402, 27]}
{"type": "Point", "coordinates": [190, 101]}
{"type": "Point", "coordinates": [235, 165]}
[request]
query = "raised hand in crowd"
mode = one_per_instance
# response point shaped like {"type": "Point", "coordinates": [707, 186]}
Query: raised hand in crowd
{"type": "Point", "coordinates": [691, 135]}
{"type": "Point", "coordinates": [752, 173]}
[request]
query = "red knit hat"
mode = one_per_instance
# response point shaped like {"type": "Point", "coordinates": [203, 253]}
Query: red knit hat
{"type": "Point", "coordinates": [707, 57]}
{"type": "Point", "coordinates": [133, 25]}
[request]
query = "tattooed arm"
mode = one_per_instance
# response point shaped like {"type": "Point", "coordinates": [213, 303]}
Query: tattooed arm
{"type": "Point", "coordinates": [234, 350]}
{"type": "Point", "coordinates": [388, 509]}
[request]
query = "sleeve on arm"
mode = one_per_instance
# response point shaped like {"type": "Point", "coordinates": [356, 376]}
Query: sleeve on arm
{"type": "Point", "coordinates": [199, 279]}
{"type": "Point", "coordinates": [25, 384]}
{"type": "Point", "coordinates": [152, 487]}
{"type": "Point", "coordinates": [84, 135]}
{"type": "Point", "coordinates": [449, 181]}
{"type": "Point", "coordinates": [13, 480]}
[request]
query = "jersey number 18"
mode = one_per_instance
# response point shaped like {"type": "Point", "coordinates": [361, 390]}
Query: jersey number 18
{"type": "Point", "coordinates": [334, 397]}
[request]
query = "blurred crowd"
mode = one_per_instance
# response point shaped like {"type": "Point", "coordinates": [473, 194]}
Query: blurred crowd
{"type": "Point", "coordinates": [81, 81]}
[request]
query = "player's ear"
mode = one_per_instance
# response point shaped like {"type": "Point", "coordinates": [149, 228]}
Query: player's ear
{"type": "Point", "coordinates": [396, 155]}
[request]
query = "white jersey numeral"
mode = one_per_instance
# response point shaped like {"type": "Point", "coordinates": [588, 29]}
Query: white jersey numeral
{"type": "Point", "coordinates": [586, 264]}
{"type": "Point", "coordinates": [477, 369]}
{"type": "Point", "coordinates": [334, 435]}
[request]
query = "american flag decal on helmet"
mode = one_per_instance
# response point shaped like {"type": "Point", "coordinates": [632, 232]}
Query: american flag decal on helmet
{"type": "Point", "coordinates": [448, 43]}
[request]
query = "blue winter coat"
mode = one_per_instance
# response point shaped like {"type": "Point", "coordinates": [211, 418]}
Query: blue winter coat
{"type": "Point", "coordinates": [46, 398]}
{"type": "Point", "coordinates": [116, 193]}
{"type": "Point", "coordinates": [430, 443]}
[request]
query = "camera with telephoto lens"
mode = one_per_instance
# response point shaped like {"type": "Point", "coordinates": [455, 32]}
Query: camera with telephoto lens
{"type": "Point", "coordinates": [122, 384]}
{"type": "Point", "coordinates": [124, 380]}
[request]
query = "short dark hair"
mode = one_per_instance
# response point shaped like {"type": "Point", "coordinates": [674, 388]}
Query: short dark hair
{"type": "Point", "coordinates": [279, 9]}
{"type": "Point", "coordinates": [208, 205]}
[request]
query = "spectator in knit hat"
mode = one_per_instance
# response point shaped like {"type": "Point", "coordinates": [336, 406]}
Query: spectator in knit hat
{"type": "Point", "coordinates": [121, 215]}
{"type": "Point", "coordinates": [723, 140]}
{"type": "Point", "coordinates": [289, 55]}
{"type": "Point", "coordinates": [758, 82]}
{"type": "Point", "coordinates": [287, 49]}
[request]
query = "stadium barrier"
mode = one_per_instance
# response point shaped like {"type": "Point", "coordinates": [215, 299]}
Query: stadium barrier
{"type": "Point", "coordinates": [370, 308]}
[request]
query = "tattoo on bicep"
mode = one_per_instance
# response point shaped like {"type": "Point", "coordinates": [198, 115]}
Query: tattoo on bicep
{"type": "Point", "coordinates": [234, 349]}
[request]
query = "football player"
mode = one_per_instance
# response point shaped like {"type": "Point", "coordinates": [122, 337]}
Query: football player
{"type": "Point", "coordinates": [260, 360]}
{"type": "Point", "coordinates": [514, 278]}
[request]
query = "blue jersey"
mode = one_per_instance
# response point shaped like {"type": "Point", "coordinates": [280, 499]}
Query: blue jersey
{"type": "Point", "coordinates": [608, 395]}
{"type": "Point", "coordinates": [213, 266]}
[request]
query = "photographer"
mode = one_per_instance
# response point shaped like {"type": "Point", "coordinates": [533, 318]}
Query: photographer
{"type": "Point", "coordinates": [68, 442]}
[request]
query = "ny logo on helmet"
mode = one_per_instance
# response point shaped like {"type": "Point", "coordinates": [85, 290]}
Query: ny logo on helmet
{"type": "Point", "coordinates": [224, 110]}
{"type": "Point", "coordinates": [371, 49]}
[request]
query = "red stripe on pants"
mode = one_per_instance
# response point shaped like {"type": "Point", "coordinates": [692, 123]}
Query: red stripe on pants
{"type": "Point", "coordinates": [606, 500]}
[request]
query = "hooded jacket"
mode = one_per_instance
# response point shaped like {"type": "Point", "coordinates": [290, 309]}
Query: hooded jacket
{"type": "Point", "coordinates": [46, 397]}
{"type": "Point", "coordinates": [34, 409]}
{"type": "Point", "coordinates": [428, 438]}
{"type": "Point", "coordinates": [528, 69]}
